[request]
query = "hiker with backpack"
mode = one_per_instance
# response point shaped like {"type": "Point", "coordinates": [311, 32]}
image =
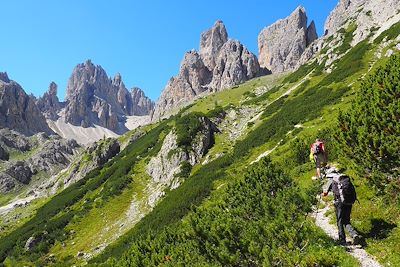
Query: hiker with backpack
{"type": "Point", "coordinates": [344, 197]}
{"type": "Point", "coordinates": [319, 155]}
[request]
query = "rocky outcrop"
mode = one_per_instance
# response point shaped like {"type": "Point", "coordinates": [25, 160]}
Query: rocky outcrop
{"type": "Point", "coordinates": [3, 154]}
{"type": "Point", "coordinates": [281, 45]}
{"type": "Point", "coordinates": [234, 65]}
{"type": "Point", "coordinates": [14, 140]}
{"type": "Point", "coordinates": [363, 16]}
{"type": "Point", "coordinates": [7, 183]}
{"type": "Point", "coordinates": [98, 154]}
{"type": "Point", "coordinates": [93, 98]}
{"type": "Point", "coordinates": [49, 103]}
{"type": "Point", "coordinates": [18, 111]}
{"type": "Point", "coordinates": [104, 151]}
{"type": "Point", "coordinates": [164, 167]}
{"type": "Point", "coordinates": [366, 14]}
{"type": "Point", "coordinates": [54, 155]}
{"type": "Point", "coordinates": [49, 154]}
{"type": "Point", "coordinates": [220, 64]}
{"type": "Point", "coordinates": [344, 10]}
{"type": "Point", "coordinates": [20, 171]}
{"type": "Point", "coordinates": [141, 104]}
{"type": "Point", "coordinates": [34, 240]}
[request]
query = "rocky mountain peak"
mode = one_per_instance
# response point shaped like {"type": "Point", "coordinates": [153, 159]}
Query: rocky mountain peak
{"type": "Point", "coordinates": [4, 77]}
{"type": "Point", "coordinates": [142, 105]}
{"type": "Point", "coordinates": [52, 89]}
{"type": "Point", "coordinates": [49, 103]}
{"type": "Point", "coordinates": [18, 111]}
{"type": "Point", "coordinates": [282, 44]}
{"type": "Point", "coordinates": [211, 42]}
{"type": "Point", "coordinates": [219, 64]}
{"type": "Point", "coordinates": [87, 73]}
{"type": "Point", "coordinates": [311, 33]}
{"type": "Point", "coordinates": [94, 98]}
{"type": "Point", "coordinates": [117, 79]}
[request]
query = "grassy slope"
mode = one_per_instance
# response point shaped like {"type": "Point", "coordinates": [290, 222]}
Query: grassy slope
{"type": "Point", "coordinates": [317, 121]}
{"type": "Point", "coordinates": [225, 170]}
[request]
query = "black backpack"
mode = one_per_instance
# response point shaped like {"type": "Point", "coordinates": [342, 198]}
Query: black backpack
{"type": "Point", "coordinates": [344, 190]}
{"type": "Point", "coordinates": [318, 148]}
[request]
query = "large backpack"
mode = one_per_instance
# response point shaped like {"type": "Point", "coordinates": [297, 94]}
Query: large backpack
{"type": "Point", "coordinates": [344, 190]}
{"type": "Point", "coordinates": [317, 148]}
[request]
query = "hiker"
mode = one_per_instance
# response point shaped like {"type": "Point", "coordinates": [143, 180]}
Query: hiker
{"type": "Point", "coordinates": [344, 197]}
{"type": "Point", "coordinates": [318, 153]}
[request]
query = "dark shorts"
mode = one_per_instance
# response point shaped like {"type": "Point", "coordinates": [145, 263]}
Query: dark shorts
{"type": "Point", "coordinates": [319, 160]}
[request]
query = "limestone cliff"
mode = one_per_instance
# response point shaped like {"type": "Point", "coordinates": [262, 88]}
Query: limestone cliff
{"type": "Point", "coordinates": [281, 45]}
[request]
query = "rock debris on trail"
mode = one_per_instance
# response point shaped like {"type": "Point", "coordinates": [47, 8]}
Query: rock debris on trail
{"type": "Point", "coordinates": [322, 221]}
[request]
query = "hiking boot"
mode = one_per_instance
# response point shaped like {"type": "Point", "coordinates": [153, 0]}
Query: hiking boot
{"type": "Point", "coordinates": [342, 243]}
{"type": "Point", "coordinates": [314, 178]}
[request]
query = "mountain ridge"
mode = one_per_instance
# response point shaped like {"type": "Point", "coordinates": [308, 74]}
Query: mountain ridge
{"type": "Point", "coordinates": [185, 190]}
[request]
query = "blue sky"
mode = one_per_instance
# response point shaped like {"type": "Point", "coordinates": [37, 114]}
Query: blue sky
{"type": "Point", "coordinates": [43, 40]}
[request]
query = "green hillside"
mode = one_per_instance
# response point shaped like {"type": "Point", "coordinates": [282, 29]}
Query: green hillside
{"type": "Point", "coordinates": [236, 207]}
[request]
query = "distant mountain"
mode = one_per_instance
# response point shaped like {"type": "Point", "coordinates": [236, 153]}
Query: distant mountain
{"type": "Point", "coordinates": [220, 64]}
{"type": "Point", "coordinates": [94, 99]}
{"type": "Point", "coordinates": [18, 111]}
{"type": "Point", "coordinates": [282, 44]}
{"type": "Point", "coordinates": [214, 185]}
{"type": "Point", "coordinates": [49, 103]}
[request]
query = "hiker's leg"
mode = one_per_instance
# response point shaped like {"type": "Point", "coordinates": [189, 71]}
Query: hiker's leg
{"type": "Point", "coordinates": [346, 211]}
{"type": "Point", "coordinates": [339, 220]}
{"type": "Point", "coordinates": [318, 165]}
{"type": "Point", "coordinates": [319, 172]}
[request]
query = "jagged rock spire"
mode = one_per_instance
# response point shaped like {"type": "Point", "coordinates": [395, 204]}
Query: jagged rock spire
{"type": "Point", "coordinates": [282, 44]}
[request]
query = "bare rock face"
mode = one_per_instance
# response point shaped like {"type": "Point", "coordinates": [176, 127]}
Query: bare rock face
{"type": "Point", "coordinates": [20, 171]}
{"type": "Point", "coordinates": [167, 163]}
{"type": "Point", "coordinates": [211, 42]}
{"type": "Point", "coordinates": [219, 64]}
{"type": "Point", "coordinates": [7, 183]}
{"type": "Point", "coordinates": [18, 111]}
{"type": "Point", "coordinates": [344, 10]}
{"type": "Point", "coordinates": [234, 65]}
{"type": "Point", "coordinates": [99, 153]}
{"type": "Point", "coordinates": [282, 44]}
{"type": "Point", "coordinates": [124, 99]}
{"type": "Point", "coordinates": [93, 98]}
{"type": "Point", "coordinates": [142, 105]}
{"type": "Point", "coordinates": [192, 80]}
{"type": "Point", "coordinates": [49, 104]}
{"type": "Point", "coordinates": [366, 14]}
{"type": "Point", "coordinates": [311, 33]}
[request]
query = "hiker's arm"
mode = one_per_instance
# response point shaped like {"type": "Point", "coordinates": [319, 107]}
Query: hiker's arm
{"type": "Point", "coordinates": [327, 187]}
